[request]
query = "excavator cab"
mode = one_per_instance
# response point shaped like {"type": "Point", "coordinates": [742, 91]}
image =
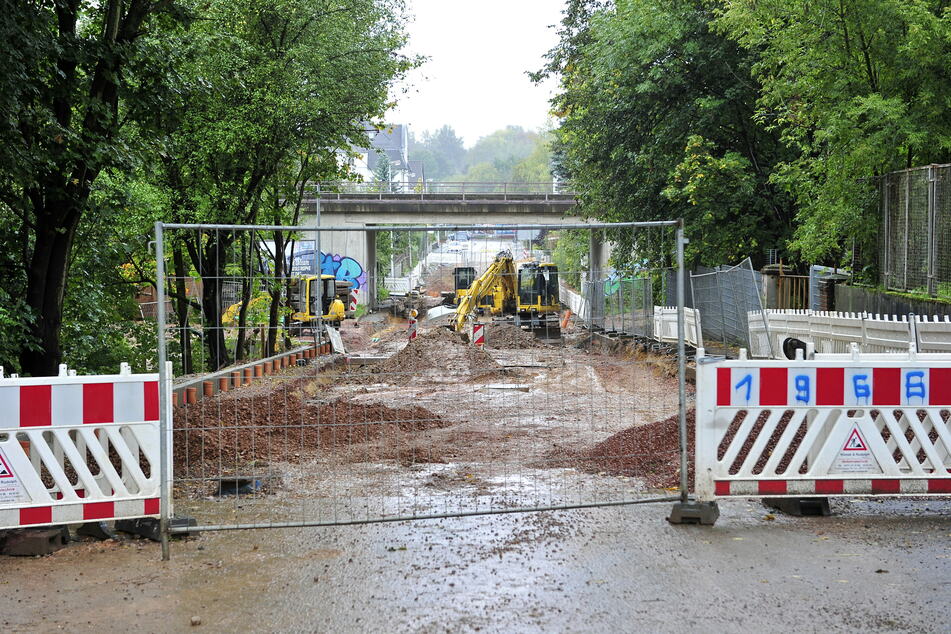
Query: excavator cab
{"type": "Point", "coordinates": [538, 301]}
{"type": "Point", "coordinates": [308, 290]}
{"type": "Point", "coordinates": [463, 277]}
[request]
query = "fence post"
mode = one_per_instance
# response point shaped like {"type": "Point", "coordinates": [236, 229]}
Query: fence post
{"type": "Point", "coordinates": [164, 413]}
{"type": "Point", "coordinates": [932, 184]}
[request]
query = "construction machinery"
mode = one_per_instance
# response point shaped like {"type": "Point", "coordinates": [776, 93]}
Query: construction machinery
{"type": "Point", "coordinates": [530, 295]}
{"type": "Point", "coordinates": [303, 297]}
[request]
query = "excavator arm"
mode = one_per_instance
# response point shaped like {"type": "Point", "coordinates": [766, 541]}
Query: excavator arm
{"type": "Point", "coordinates": [500, 273]}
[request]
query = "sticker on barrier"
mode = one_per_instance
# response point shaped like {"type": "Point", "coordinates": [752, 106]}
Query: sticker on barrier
{"type": "Point", "coordinates": [75, 449]}
{"type": "Point", "coordinates": [846, 424]}
{"type": "Point", "coordinates": [9, 484]}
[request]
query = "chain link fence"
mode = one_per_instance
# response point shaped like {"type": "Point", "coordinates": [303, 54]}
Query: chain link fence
{"type": "Point", "coordinates": [724, 297]}
{"type": "Point", "coordinates": [371, 417]}
{"type": "Point", "coordinates": [915, 240]}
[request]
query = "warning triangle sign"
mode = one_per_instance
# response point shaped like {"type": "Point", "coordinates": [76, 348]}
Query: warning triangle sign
{"type": "Point", "coordinates": [855, 456]}
{"type": "Point", "coordinates": [5, 470]}
{"type": "Point", "coordinates": [855, 442]}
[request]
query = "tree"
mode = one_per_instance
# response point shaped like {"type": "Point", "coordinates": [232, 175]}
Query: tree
{"type": "Point", "coordinates": [856, 89]}
{"type": "Point", "coordinates": [656, 122]}
{"type": "Point", "coordinates": [68, 69]}
{"type": "Point", "coordinates": [441, 152]}
{"type": "Point", "coordinates": [269, 81]}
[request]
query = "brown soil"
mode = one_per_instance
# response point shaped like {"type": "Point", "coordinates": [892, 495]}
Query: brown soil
{"type": "Point", "coordinates": [236, 436]}
{"type": "Point", "coordinates": [650, 452]}
{"type": "Point", "coordinates": [436, 354]}
{"type": "Point", "coordinates": [506, 335]}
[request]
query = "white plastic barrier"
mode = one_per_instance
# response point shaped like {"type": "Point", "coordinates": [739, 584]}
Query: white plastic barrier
{"type": "Point", "coordinates": [841, 424]}
{"type": "Point", "coordinates": [78, 448]}
{"type": "Point", "coordinates": [575, 302]}
{"type": "Point", "coordinates": [835, 332]}
{"type": "Point", "coordinates": [665, 325]}
{"type": "Point", "coordinates": [934, 333]}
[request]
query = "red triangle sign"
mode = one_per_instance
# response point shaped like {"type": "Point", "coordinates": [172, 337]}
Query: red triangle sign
{"type": "Point", "coordinates": [5, 471]}
{"type": "Point", "coordinates": [855, 442]}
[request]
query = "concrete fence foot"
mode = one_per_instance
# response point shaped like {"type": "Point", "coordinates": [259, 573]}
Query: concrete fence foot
{"type": "Point", "coordinates": [705, 513]}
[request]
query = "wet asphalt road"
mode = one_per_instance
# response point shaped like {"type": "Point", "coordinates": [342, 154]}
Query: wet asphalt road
{"type": "Point", "coordinates": [875, 566]}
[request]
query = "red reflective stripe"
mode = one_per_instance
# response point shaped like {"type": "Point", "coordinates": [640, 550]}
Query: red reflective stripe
{"type": "Point", "coordinates": [723, 386]}
{"type": "Point", "coordinates": [773, 386]}
{"type": "Point", "coordinates": [722, 487]}
{"type": "Point", "coordinates": [151, 506]}
{"type": "Point", "coordinates": [151, 395]}
{"type": "Point", "coordinates": [942, 485]}
{"type": "Point", "coordinates": [830, 487]}
{"type": "Point", "coordinates": [98, 510]}
{"type": "Point", "coordinates": [886, 486]}
{"type": "Point", "coordinates": [36, 515]}
{"type": "Point", "coordinates": [97, 403]}
{"type": "Point", "coordinates": [940, 383]}
{"type": "Point", "coordinates": [36, 409]}
{"type": "Point", "coordinates": [772, 487]}
{"type": "Point", "coordinates": [830, 386]}
{"type": "Point", "coordinates": [886, 386]}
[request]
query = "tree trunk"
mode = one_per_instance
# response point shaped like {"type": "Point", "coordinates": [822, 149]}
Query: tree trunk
{"type": "Point", "coordinates": [181, 310]}
{"type": "Point", "coordinates": [46, 282]}
{"type": "Point", "coordinates": [240, 351]}
{"type": "Point", "coordinates": [205, 259]}
{"type": "Point", "coordinates": [276, 287]}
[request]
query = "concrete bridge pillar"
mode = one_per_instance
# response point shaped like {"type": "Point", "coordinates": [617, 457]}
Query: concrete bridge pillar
{"type": "Point", "coordinates": [595, 278]}
{"type": "Point", "coordinates": [369, 238]}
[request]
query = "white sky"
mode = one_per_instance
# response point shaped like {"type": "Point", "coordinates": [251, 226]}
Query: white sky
{"type": "Point", "coordinates": [479, 52]}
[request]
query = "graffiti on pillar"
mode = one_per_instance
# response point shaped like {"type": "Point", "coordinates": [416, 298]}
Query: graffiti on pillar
{"type": "Point", "coordinates": [344, 268]}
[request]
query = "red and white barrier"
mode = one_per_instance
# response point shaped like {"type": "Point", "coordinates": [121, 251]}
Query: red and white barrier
{"type": "Point", "coordinates": [411, 327]}
{"type": "Point", "coordinates": [478, 334]}
{"type": "Point", "coordinates": [78, 448]}
{"type": "Point", "coordinates": [841, 424]}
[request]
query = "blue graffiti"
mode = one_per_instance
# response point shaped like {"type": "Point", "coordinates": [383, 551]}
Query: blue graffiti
{"type": "Point", "coordinates": [802, 388]}
{"type": "Point", "coordinates": [861, 387]}
{"type": "Point", "coordinates": [748, 382]}
{"type": "Point", "coordinates": [343, 268]}
{"type": "Point", "coordinates": [914, 385]}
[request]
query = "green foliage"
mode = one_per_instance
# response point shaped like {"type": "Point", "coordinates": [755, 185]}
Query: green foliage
{"type": "Point", "coordinates": [656, 123]}
{"type": "Point", "coordinates": [571, 249]}
{"type": "Point", "coordinates": [856, 89]}
{"type": "Point", "coordinates": [510, 155]}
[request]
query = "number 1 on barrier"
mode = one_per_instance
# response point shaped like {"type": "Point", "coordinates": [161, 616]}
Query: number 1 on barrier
{"type": "Point", "coordinates": [748, 382]}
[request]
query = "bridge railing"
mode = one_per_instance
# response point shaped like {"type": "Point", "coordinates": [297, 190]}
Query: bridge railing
{"type": "Point", "coordinates": [338, 189]}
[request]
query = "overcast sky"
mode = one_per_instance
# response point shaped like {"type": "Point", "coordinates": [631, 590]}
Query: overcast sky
{"type": "Point", "coordinates": [478, 53]}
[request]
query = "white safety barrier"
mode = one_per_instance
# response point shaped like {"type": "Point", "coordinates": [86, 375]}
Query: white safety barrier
{"type": "Point", "coordinates": [841, 424]}
{"type": "Point", "coordinates": [79, 448]}
{"type": "Point", "coordinates": [665, 325]}
{"type": "Point", "coordinates": [835, 332]}
{"type": "Point", "coordinates": [578, 305]}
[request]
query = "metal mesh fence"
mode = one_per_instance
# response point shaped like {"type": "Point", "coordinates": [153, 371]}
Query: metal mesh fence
{"type": "Point", "coordinates": [724, 297]}
{"type": "Point", "coordinates": [916, 230]}
{"type": "Point", "coordinates": [292, 410]}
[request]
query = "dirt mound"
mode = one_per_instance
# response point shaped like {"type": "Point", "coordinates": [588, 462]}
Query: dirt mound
{"type": "Point", "coordinates": [650, 452]}
{"type": "Point", "coordinates": [506, 335]}
{"type": "Point", "coordinates": [436, 354]}
{"type": "Point", "coordinates": [239, 436]}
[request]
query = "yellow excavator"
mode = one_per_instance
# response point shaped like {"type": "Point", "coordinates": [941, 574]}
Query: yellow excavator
{"type": "Point", "coordinates": [303, 300]}
{"type": "Point", "coordinates": [530, 296]}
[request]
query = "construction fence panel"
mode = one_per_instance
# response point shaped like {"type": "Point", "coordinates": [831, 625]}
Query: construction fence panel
{"type": "Point", "coordinates": [724, 298]}
{"type": "Point", "coordinates": [75, 449]}
{"type": "Point", "coordinates": [272, 427]}
{"type": "Point", "coordinates": [837, 425]}
{"type": "Point", "coordinates": [915, 237]}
